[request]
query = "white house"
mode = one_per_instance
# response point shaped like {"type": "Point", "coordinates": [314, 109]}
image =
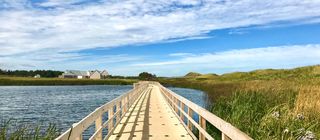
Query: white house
{"type": "Point", "coordinates": [76, 74]}
{"type": "Point", "coordinates": [95, 74]}
{"type": "Point", "coordinates": [37, 76]}
{"type": "Point", "coordinates": [104, 74]}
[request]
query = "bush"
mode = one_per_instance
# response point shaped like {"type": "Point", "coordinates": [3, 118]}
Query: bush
{"type": "Point", "coordinates": [147, 76]}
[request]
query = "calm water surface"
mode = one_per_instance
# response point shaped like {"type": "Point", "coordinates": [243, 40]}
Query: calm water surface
{"type": "Point", "coordinates": [65, 105]}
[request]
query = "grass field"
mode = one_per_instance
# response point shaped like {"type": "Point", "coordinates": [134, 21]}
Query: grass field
{"type": "Point", "coordinates": [266, 104]}
{"type": "Point", "coordinates": [9, 80]}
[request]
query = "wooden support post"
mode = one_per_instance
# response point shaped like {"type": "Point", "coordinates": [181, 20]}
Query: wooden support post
{"type": "Point", "coordinates": [171, 100]}
{"type": "Point", "coordinates": [202, 123]}
{"type": "Point", "coordinates": [124, 104]}
{"type": "Point", "coordinates": [182, 110]}
{"type": "Point", "coordinates": [118, 110]}
{"type": "Point", "coordinates": [79, 137]}
{"type": "Point", "coordinates": [225, 137]}
{"type": "Point", "coordinates": [111, 122]}
{"type": "Point", "coordinates": [190, 113]}
{"type": "Point", "coordinates": [98, 124]}
{"type": "Point", "coordinates": [174, 105]}
{"type": "Point", "coordinates": [177, 103]}
{"type": "Point", "coordinates": [127, 103]}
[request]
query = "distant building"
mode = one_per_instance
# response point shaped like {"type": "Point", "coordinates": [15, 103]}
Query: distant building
{"type": "Point", "coordinates": [104, 74]}
{"type": "Point", "coordinates": [95, 75]}
{"type": "Point", "coordinates": [37, 76]}
{"type": "Point", "coordinates": [76, 74]}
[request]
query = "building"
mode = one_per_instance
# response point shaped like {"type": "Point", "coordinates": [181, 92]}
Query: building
{"type": "Point", "coordinates": [37, 76]}
{"type": "Point", "coordinates": [104, 74]}
{"type": "Point", "coordinates": [95, 74]}
{"type": "Point", "coordinates": [76, 74]}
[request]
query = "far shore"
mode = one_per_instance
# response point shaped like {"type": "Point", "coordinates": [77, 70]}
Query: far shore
{"type": "Point", "coordinates": [29, 81]}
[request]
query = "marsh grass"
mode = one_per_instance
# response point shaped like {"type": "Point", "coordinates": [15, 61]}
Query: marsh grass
{"type": "Point", "coordinates": [265, 104]}
{"type": "Point", "coordinates": [12, 130]}
{"type": "Point", "coordinates": [6, 80]}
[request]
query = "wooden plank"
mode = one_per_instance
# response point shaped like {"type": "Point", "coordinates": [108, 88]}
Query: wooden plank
{"type": "Point", "coordinates": [151, 118]}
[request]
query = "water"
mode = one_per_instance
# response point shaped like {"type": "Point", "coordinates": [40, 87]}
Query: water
{"type": "Point", "coordinates": [65, 105]}
{"type": "Point", "coordinates": [198, 97]}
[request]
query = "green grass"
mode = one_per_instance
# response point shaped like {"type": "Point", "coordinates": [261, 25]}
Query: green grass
{"type": "Point", "coordinates": [6, 80]}
{"type": "Point", "coordinates": [11, 130]}
{"type": "Point", "coordinates": [265, 104]}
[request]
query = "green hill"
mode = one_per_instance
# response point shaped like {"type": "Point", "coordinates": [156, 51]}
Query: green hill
{"type": "Point", "coordinates": [192, 74]}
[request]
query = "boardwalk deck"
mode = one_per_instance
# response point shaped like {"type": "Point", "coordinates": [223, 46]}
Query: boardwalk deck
{"type": "Point", "coordinates": [150, 117]}
{"type": "Point", "coordinates": [150, 111]}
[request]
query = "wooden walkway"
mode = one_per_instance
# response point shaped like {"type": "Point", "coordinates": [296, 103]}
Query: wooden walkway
{"type": "Point", "coordinates": [151, 112]}
{"type": "Point", "coordinates": [150, 117]}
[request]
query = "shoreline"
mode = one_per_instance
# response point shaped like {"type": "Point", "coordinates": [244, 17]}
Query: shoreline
{"type": "Point", "coordinates": [28, 81]}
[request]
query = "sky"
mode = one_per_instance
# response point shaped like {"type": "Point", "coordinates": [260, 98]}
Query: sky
{"type": "Point", "coordinates": [164, 37]}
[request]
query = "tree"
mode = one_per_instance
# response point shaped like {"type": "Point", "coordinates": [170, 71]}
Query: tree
{"type": "Point", "coordinates": [147, 76]}
{"type": "Point", "coordinates": [31, 73]}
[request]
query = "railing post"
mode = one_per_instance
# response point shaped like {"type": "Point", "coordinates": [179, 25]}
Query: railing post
{"type": "Point", "coordinates": [79, 137]}
{"type": "Point", "coordinates": [202, 123]}
{"type": "Point", "coordinates": [118, 110]}
{"type": "Point", "coordinates": [174, 104]}
{"type": "Point", "coordinates": [128, 103]}
{"type": "Point", "coordinates": [98, 124]}
{"type": "Point", "coordinates": [110, 115]}
{"type": "Point", "coordinates": [177, 103]}
{"type": "Point", "coordinates": [124, 104]}
{"type": "Point", "coordinates": [182, 110]}
{"type": "Point", "coordinates": [225, 137]}
{"type": "Point", "coordinates": [190, 113]}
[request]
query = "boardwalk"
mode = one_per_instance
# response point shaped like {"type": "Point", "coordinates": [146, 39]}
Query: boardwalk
{"type": "Point", "coordinates": [151, 112]}
{"type": "Point", "coordinates": [150, 117]}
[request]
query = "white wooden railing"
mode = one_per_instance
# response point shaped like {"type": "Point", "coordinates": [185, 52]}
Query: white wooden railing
{"type": "Point", "coordinates": [115, 109]}
{"type": "Point", "coordinates": [185, 109]}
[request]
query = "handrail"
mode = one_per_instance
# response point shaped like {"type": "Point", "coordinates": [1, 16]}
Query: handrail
{"type": "Point", "coordinates": [178, 104]}
{"type": "Point", "coordinates": [117, 108]}
{"type": "Point", "coordinates": [121, 104]}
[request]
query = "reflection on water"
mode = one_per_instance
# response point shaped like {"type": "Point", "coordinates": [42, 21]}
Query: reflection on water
{"type": "Point", "coordinates": [65, 105]}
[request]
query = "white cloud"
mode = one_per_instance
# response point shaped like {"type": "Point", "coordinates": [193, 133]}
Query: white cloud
{"type": "Point", "coordinates": [111, 24]}
{"type": "Point", "coordinates": [235, 60]}
{"type": "Point", "coordinates": [52, 3]}
{"type": "Point", "coordinates": [181, 54]}
{"type": "Point", "coordinates": [32, 28]}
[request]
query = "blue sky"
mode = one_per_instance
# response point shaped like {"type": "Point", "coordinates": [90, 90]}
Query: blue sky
{"type": "Point", "coordinates": [165, 37]}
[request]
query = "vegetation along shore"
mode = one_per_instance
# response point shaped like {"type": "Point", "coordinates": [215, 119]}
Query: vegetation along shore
{"type": "Point", "coordinates": [9, 80]}
{"type": "Point", "coordinates": [266, 104]}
